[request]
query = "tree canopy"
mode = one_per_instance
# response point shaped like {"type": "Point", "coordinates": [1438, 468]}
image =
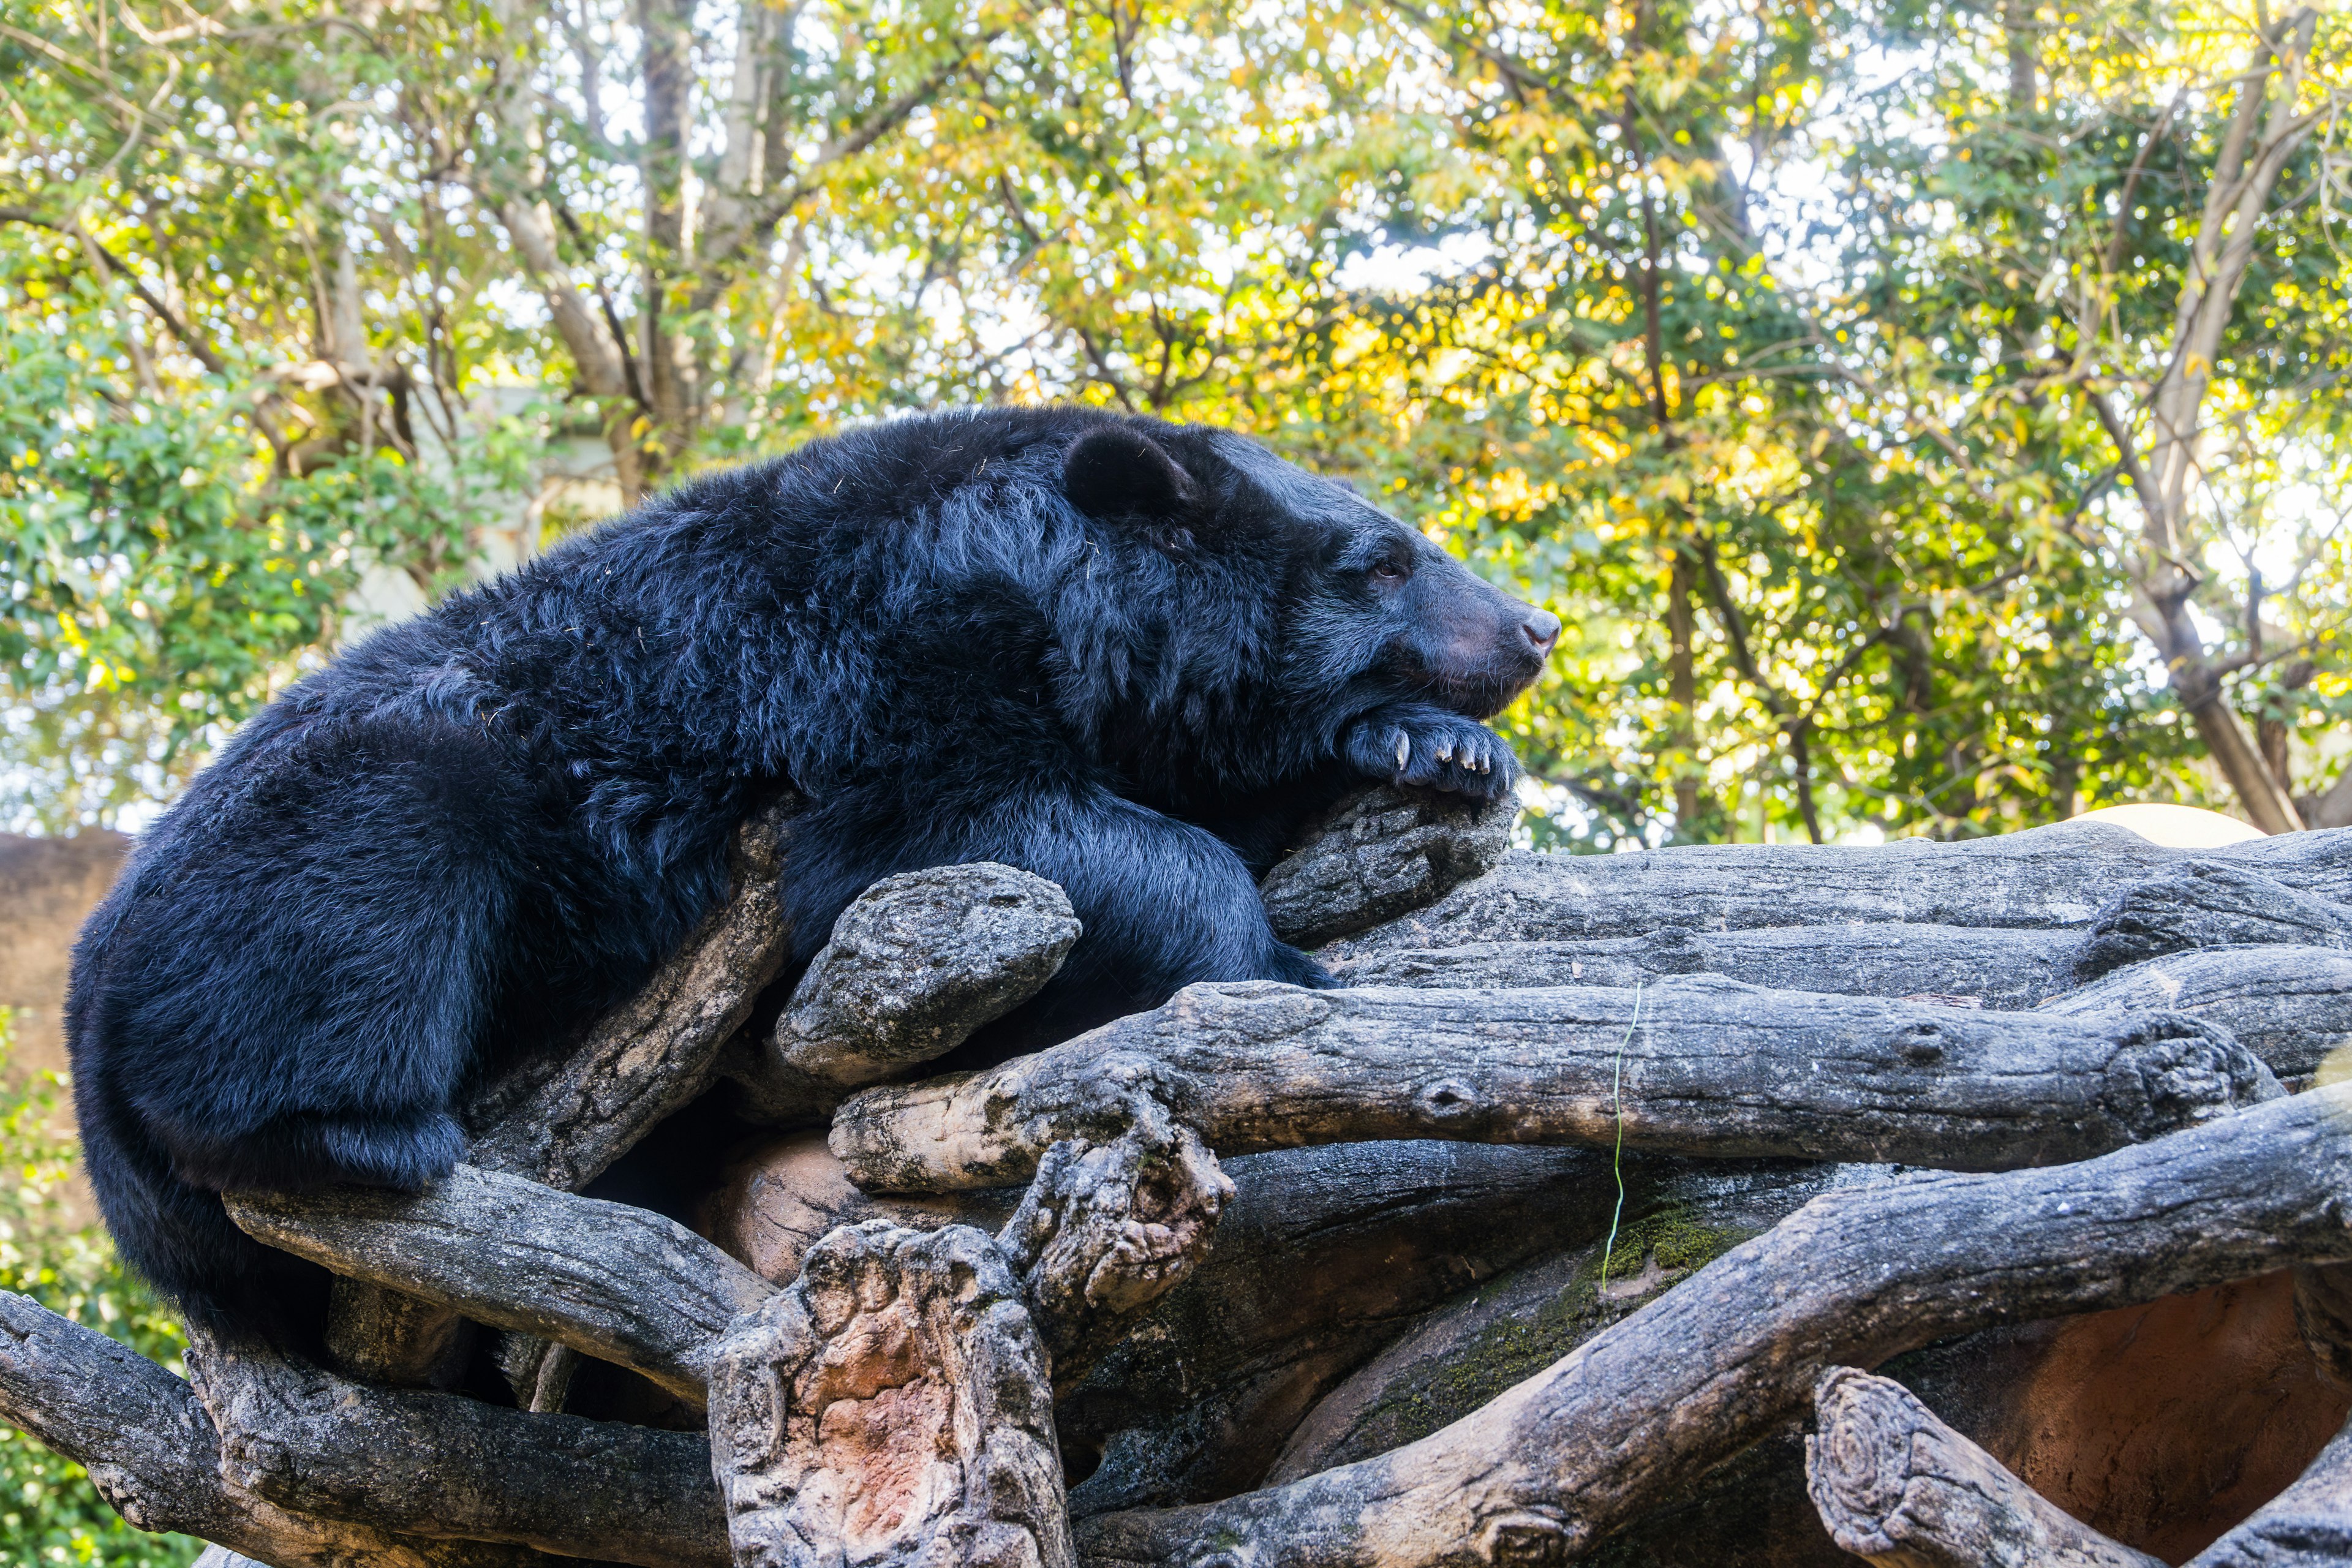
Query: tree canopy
{"type": "Point", "coordinates": [1926, 418]}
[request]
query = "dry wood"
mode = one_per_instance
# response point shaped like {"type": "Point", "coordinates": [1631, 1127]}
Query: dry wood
{"type": "Point", "coordinates": [1639, 1411]}
{"type": "Point", "coordinates": [1105, 1230]}
{"type": "Point", "coordinates": [2323, 1310]}
{"type": "Point", "coordinates": [440, 1464]}
{"type": "Point", "coordinates": [2207, 903]}
{"type": "Point", "coordinates": [914, 965]}
{"type": "Point", "coordinates": [2289, 1006]}
{"type": "Point", "coordinates": [1696, 1066]}
{"type": "Point", "coordinates": [153, 1454]}
{"type": "Point", "coordinates": [1981, 966]}
{"type": "Point", "coordinates": [1380, 853]}
{"type": "Point", "coordinates": [891, 1405]}
{"type": "Point", "coordinates": [2057, 876]}
{"type": "Point", "coordinates": [1898, 1487]}
{"type": "Point", "coordinates": [619, 1283]}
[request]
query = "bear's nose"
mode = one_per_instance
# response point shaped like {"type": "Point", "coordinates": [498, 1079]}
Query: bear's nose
{"type": "Point", "coordinates": [1541, 629]}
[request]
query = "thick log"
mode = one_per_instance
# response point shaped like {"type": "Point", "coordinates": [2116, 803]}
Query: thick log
{"type": "Point", "coordinates": [914, 965]}
{"type": "Point", "coordinates": [1980, 966]}
{"type": "Point", "coordinates": [619, 1283]}
{"type": "Point", "coordinates": [2323, 1311]}
{"type": "Point", "coordinates": [1105, 1230]}
{"type": "Point", "coordinates": [2207, 903]}
{"type": "Point", "coordinates": [154, 1456]}
{"type": "Point", "coordinates": [1694, 1065]}
{"type": "Point", "coordinates": [443, 1466]}
{"type": "Point", "coordinates": [1380, 853]}
{"type": "Point", "coordinates": [2309, 1525]}
{"type": "Point", "coordinates": [564, 1120]}
{"type": "Point", "coordinates": [1896, 1487]}
{"type": "Point", "coordinates": [891, 1405]}
{"type": "Point", "coordinates": [1639, 1411]}
{"type": "Point", "coordinates": [2289, 1006]}
{"type": "Point", "coordinates": [2057, 876]}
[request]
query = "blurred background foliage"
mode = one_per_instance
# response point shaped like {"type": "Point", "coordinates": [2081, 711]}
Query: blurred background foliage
{"type": "Point", "coordinates": [1928, 416]}
{"type": "Point", "coordinates": [50, 1514]}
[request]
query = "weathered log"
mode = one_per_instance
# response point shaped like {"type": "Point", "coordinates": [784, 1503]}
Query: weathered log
{"type": "Point", "coordinates": [2289, 1006]}
{"type": "Point", "coordinates": [2057, 876]}
{"type": "Point", "coordinates": [2207, 903]}
{"type": "Point", "coordinates": [1105, 1230]}
{"type": "Point", "coordinates": [1379, 853]}
{"type": "Point", "coordinates": [892, 1405]}
{"type": "Point", "coordinates": [2309, 1525]}
{"type": "Point", "coordinates": [155, 1456]}
{"type": "Point", "coordinates": [914, 965]}
{"type": "Point", "coordinates": [1982, 966]}
{"type": "Point", "coordinates": [563, 1119]}
{"type": "Point", "coordinates": [1640, 1410]}
{"type": "Point", "coordinates": [619, 1283]}
{"type": "Point", "coordinates": [1896, 1487]}
{"type": "Point", "coordinates": [440, 1464]}
{"type": "Point", "coordinates": [1705, 1066]}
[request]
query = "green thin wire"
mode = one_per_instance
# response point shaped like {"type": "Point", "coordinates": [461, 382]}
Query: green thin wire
{"type": "Point", "coordinates": [1617, 1161]}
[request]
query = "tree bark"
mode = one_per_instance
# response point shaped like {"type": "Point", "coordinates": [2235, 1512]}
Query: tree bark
{"type": "Point", "coordinates": [1696, 1066]}
{"type": "Point", "coordinates": [616, 1282]}
{"type": "Point", "coordinates": [2207, 903]}
{"type": "Point", "coordinates": [441, 1465]}
{"type": "Point", "coordinates": [915, 964]}
{"type": "Point", "coordinates": [1985, 966]}
{"type": "Point", "coordinates": [1378, 854]}
{"type": "Point", "coordinates": [2048, 877]}
{"type": "Point", "coordinates": [1548, 1469]}
{"type": "Point", "coordinates": [892, 1405]}
{"type": "Point", "coordinates": [1896, 1487]}
{"type": "Point", "coordinates": [2289, 1006]}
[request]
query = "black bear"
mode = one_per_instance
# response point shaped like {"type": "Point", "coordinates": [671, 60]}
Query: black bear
{"type": "Point", "coordinates": [1127, 656]}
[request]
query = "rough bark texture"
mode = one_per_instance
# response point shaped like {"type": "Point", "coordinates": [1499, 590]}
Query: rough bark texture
{"type": "Point", "coordinates": [621, 1283]}
{"type": "Point", "coordinates": [2057, 876]}
{"type": "Point", "coordinates": [2289, 1006]}
{"type": "Point", "coordinates": [915, 964]}
{"type": "Point", "coordinates": [1983, 967]}
{"type": "Point", "coordinates": [1898, 1487]}
{"type": "Point", "coordinates": [1105, 1230]}
{"type": "Point", "coordinates": [563, 1120]}
{"type": "Point", "coordinates": [2207, 903]}
{"type": "Point", "coordinates": [1639, 1411]}
{"type": "Point", "coordinates": [2323, 1311]}
{"type": "Point", "coordinates": [891, 1407]}
{"type": "Point", "coordinates": [155, 1454]}
{"type": "Point", "coordinates": [1699, 1066]}
{"type": "Point", "coordinates": [1380, 853]}
{"type": "Point", "coordinates": [440, 1464]}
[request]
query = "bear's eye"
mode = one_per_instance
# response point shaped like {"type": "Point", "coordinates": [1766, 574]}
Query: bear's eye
{"type": "Point", "coordinates": [1389, 569]}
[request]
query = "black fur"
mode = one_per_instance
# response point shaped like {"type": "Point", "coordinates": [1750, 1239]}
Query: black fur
{"type": "Point", "coordinates": [1127, 656]}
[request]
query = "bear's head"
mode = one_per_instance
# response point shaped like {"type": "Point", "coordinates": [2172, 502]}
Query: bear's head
{"type": "Point", "coordinates": [1363, 610]}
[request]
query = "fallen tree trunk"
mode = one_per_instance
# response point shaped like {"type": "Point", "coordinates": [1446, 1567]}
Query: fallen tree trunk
{"type": "Point", "coordinates": [1379, 853]}
{"type": "Point", "coordinates": [1548, 1470]}
{"type": "Point", "coordinates": [155, 1454]}
{"type": "Point", "coordinates": [619, 1283]}
{"type": "Point", "coordinates": [441, 1465]}
{"type": "Point", "coordinates": [1691, 1066]}
{"type": "Point", "coordinates": [2289, 1006]}
{"type": "Point", "coordinates": [2207, 903]}
{"type": "Point", "coordinates": [1986, 966]}
{"type": "Point", "coordinates": [2049, 877]}
{"type": "Point", "coordinates": [1896, 1487]}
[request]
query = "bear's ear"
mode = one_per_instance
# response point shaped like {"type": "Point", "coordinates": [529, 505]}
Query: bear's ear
{"type": "Point", "coordinates": [1114, 472]}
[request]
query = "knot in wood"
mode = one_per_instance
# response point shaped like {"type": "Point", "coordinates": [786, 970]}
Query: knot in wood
{"type": "Point", "coordinates": [1528, 1538]}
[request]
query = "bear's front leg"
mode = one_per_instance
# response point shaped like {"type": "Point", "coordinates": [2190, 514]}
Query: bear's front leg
{"type": "Point", "coordinates": [1429, 747]}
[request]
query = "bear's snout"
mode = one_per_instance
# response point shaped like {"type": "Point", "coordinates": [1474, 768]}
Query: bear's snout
{"type": "Point", "coordinates": [1541, 628]}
